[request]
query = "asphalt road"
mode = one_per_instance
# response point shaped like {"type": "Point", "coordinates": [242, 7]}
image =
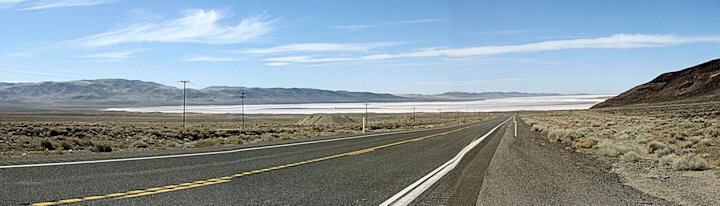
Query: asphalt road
{"type": "Point", "coordinates": [361, 171]}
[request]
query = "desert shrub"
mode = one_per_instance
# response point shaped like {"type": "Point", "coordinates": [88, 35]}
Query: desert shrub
{"type": "Point", "coordinates": [47, 145]}
{"type": "Point", "coordinates": [687, 144]}
{"type": "Point", "coordinates": [690, 162]}
{"type": "Point", "coordinates": [584, 131]}
{"type": "Point", "coordinates": [656, 146]}
{"type": "Point", "coordinates": [66, 145]}
{"type": "Point", "coordinates": [692, 142]}
{"type": "Point", "coordinates": [270, 138]}
{"type": "Point", "coordinates": [665, 151]}
{"type": "Point", "coordinates": [585, 143]}
{"type": "Point", "coordinates": [537, 128]}
{"type": "Point", "coordinates": [667, 159]}
{"type": "Point", "coordinates": [610, 150]}
{"type": "Point", "coordinates": [102, 148]}
{"type": "Point", "coordinates": [695, 139]}
{"type": "Point", "coordinates": [631, 156]}
{"type": "Point", "coordinates": [557, 133]}
{"type": "Point", "coordinates": [706, 142]}
{"type": "Point", "coordinates": [139, 144]}
{"type": "Point", "coordinates": [207, 142]}
{"type": "Point", "coordinates": [564, 135]}
{"type": "Point", "coordinates": [608, 132]}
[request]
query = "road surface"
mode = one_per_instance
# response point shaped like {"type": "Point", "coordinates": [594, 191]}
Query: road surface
{"type": "Point", "coordinates": [368, 170]}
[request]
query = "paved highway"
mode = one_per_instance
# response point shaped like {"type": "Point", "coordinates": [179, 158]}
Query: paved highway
{"type": "Point", "coordinates": [397, 168]}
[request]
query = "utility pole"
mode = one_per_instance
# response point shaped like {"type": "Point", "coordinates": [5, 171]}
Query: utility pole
{"type": "Point", "coordinates": [366, 110]}
{"type": "Point", "coordinates": [440, 113]}
{"type": "Point", "coordinates": [184, 86]}
{"type": "Point", "coordinates": [365, 119]}
{"type": "Point", "coordinates": [414, 115]}
{"type": "Point", "coordinates": [242, 99]}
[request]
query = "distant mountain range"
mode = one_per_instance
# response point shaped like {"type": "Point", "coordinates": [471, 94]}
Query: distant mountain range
{"type": "Point", "coordinates": [472, 95]}
{"type": "Point", "coordinates": [694, 84]}
{"type": "Point", "coordinates": [121, 92]}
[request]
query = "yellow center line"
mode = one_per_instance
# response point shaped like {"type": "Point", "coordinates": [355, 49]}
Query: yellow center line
{"type": "Point", "coordinates": [200, 183]}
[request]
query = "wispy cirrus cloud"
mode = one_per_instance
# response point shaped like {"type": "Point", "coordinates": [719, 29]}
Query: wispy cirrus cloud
{"type": "Point", "coordinates": [388, 23]}
{"type": "Point", "coordinates": [4, 4]}
{"type": "Point", "coordinates": [17, 55]}
{"type": "Point", "coordinates": [48, 4]}
{"type": "Point", "coordinates": [617, 41]}
{"type": "Point", "coordinates": [212, 59]}
{"type": "Point", "coordinates": [415, 21]}
{"type": "Point", "coordinates": [277, 64]}
{"type": "Point", "coordinates": [318, 47]}
{"type": "Point", "coordinates": [110, 55]}
{"type": "Point", "coordinates": [503, 32]}
{"type": "Point", "coordinates": [481, 82]}
{"type": "Point", "coordinates": [194, 26]}
{"type": "Point", "coordinates": [310, 59]}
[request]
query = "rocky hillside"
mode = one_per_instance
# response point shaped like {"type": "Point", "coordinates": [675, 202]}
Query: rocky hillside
{"type": "Point", "coordinates": [694, 84]}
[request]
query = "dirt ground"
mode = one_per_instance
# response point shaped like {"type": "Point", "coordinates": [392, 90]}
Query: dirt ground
{"type": "Point", "coordinates": [57, 132]}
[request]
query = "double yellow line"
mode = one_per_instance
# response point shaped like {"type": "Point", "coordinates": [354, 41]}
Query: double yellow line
{"type": "Point", "coordinates": [201, 183]}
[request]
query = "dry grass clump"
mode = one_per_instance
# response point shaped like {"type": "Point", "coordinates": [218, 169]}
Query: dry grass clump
{"type": "Point", "coordinates": [690, 162]}
{"type": "Point", "coordinates": [631, 156]}
{"type": "Point", "coordinates": [706, 142]}
{"type": "Point", "coordinates": [587, 142]}
{"type": "Point", "coordinates": [208, 142]}
{"type": "Point", "coordinates": [47, 145]}
{"type": "Point", "coordinates": [102, 148]}
{"type": "Point", "coordinates": [665, 151]}
{"type": "Point", "coordinates": [656, 146]}
{"type": "Point", "coordinates": [611, 150]}
{"type": "Point", "coordinates": [668, 159]}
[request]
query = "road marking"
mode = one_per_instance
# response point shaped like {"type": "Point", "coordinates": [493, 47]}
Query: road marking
{"type": "Point", "coordinates": [210, 153]}
{"type": "Point", "coordinates": [407, 195]}
{"type": "Point", "coordinates": [200, 183]}
{"type": "Point", "coordinates": [515, 121]}
{"type": "Point", "coordinates": [93, 198]}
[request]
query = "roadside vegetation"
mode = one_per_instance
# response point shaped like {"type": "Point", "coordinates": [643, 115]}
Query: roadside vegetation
{"type": "Point", "coordinates": [657, 149]}
{"type": "Point", "coordinates": [68, 132]}
{"type": "Point", "coordinates": [655, 132]}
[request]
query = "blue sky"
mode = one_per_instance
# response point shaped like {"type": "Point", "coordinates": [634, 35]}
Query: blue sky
{"type": "Point", "coordinates": [379, 46]}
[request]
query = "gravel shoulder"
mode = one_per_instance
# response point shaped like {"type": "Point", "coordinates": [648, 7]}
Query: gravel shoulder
{"type": "Point", "coordinates": [529, 170]}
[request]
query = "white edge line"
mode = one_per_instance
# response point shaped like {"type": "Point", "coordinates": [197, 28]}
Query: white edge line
{"type": "Point", "coordinates": [210, 153]}
{"type": "Point", "coordinates": [515, 121]}
{"type": "Point", "coordinates": [407, 195]}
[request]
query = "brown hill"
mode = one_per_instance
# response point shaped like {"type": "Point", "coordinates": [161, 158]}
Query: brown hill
{"type": "Point", "coordinates": [694, 84]}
